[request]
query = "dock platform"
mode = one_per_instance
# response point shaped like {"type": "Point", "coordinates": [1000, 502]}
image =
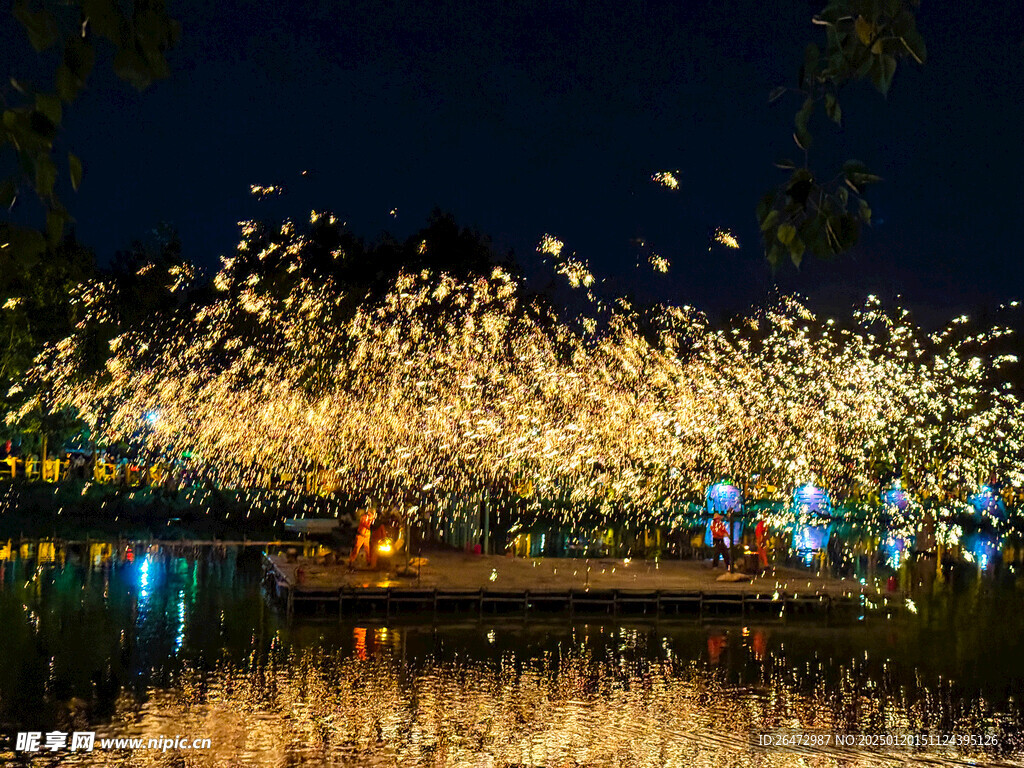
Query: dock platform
{"type": "Point", "coordinates": [491, 585]}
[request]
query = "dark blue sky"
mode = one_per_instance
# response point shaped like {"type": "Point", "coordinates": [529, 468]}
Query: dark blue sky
{"type": "Point", "coordinates": [525, 118]}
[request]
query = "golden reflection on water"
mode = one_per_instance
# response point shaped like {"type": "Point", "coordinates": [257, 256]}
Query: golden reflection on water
{"type": "Point", "coordinates": [170, 647]}
{"type": "Point", "coordinates": [369, 707]}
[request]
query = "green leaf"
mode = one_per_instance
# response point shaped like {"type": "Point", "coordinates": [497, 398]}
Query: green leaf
{"type": "Point", "coordinates": [914, 44]}
{"type": "Point", "coordinates": [834, 246]}
{"type": "Point", "coordinates": [804, 115]}
{"type": "Point", "coordinates": [882, 73]}
{"type": "Point", "coordinates": [40, 26]}
{"type": "Point", "coordinates": [105, 18]}
{"type": "Point", "coordinates": [54, 226]}
{"type": "Point", "coordinates": [79, 58]}
{"type": "Point", "coordinates": [803, 137]}
{"type": "Point", "coordinates": [811, 58]}
{"type": "Point", "coordinates": [851, 225]}
{"type": "Point", "coordinates": [75, 169]}
{"type": "Point", "coordinates": [864, 29]}
{"type": "Point", "coordinates": [833, 51]}
{"type": "Point", "coordinates": [811, 232]}
{"type": "Point", "coordinates": [131, 67]}
{"type": "Point", "coordinates": [891, 7]}
{"type": "Point", "coordinates": [769, 221]}
{"type": "Point", "coordinates": [832, 13]}
{"type": "Point", "coordinates": [8, 193]}
{"type": "Point", "coordinates": [857, 175]}
{"type": "Point", "coordinates": [50, 106]}
{"type": "Point", "coordinates": [796, 250]}
{"type": "Point", "coordinates": [42, 129]}
{"type": "Point", "coordinates": [799, 187]}
{"type": "Point", "coordinates": [46, 175]}
{"type": "Point", "coordinates": [865, 212]}
{"type": "Point", "coordinates": [867, 64]}
{"type": "Point", "coordinates": [67, 84]}
{"type": "Point", "coordinates": [155, 62]}
{"type": "Point", "coordinates": [25, 243]}
{"type": "Point", "coordinates": [832, 109]}
{"type": "Point", "coordinates": [786, 234]}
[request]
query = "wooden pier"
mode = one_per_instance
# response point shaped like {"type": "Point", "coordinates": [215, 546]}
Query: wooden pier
{"type": "Point", "coordinates": [534, 588]}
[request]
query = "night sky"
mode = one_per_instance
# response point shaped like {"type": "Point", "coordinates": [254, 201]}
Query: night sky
{"type": "Point", "coordinates": [526, 118]}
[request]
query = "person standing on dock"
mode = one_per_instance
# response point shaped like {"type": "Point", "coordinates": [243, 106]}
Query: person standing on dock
{"type": "Point", "coordinates": [381, 536]}
{"type": "Point", "coordinates": [363, 534]}
{"type": "Point", "coordinates": [718, 535]}
{"type": "Point", "coordinates": [761, 541]}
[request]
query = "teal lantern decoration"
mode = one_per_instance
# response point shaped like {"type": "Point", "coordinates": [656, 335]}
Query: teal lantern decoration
{"type": "Point", "coordinates": [726, 499]}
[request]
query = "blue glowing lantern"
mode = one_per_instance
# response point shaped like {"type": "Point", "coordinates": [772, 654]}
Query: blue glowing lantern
{"type": "Point", "coordinates": [988, 505]}
{"type": "Point", "coordinates": [894, 550]}
{"type": "Point", "coordinates": [896, 500]}
{"type": "Point", "coordinates": [810, 500]}
{"type": "Point", "coordinates": [896, 505]}
{"type": "Point", "coordinates": [985, 544]}
{"type": "Point", "coordinates": [812, 509]}
{"type": "Point", "coordinates": [982, 547]}
{"type": "Point", "coordinates": [724, 498]}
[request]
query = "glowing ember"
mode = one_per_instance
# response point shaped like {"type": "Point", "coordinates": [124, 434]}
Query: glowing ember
{"type": "Point", "coordinates": [659, 263]}
{"type": "Point", "coordinates": [726, 238]}
{"type": "Point", "coordinates": [666, 179]}
{"type": "Point", "coordinates": [258, 190]}
{"type": "Point", "coordinates": [550, 245]}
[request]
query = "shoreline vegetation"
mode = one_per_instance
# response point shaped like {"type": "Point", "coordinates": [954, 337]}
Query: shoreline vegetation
{"type": "Point", "coordinates": [79, 510]}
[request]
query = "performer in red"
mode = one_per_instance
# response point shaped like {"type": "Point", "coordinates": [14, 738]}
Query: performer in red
{"type": "Point", "coordinates": [380, 534]}
{"type": "Point", "coordinates": [719, 532]}
{"type": "Point", "coordinates": [363, 534]}
{"type": "Point", "coordinates": [761, 539]}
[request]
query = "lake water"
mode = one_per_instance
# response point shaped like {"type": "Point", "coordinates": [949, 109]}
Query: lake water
{"type": "Point", "coordinates": [168, 646]}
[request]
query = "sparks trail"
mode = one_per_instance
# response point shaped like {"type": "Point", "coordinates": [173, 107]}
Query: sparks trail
{"type": "Point", "coordinates": [450, 383]}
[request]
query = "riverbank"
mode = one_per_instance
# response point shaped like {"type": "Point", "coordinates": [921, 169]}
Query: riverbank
{"type": "Point", "coordinates": [79, 510]}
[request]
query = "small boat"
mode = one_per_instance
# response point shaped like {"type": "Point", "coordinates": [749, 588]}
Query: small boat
{"type": "Point", "coordinates": [311, 525]}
